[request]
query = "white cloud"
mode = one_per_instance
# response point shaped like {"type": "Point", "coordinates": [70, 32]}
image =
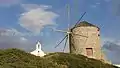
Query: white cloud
{"type": "Point", "coordinates": [13, 32]}
{"type": "Point", "coordinates": [93, 6]}
{"type": "Point", "coordinates": [46, 6]}
{"type": "Point", "coordinates": [8, 40]}
{"type": "Point", "coordinates": [16, 42]}
{"type": "Point", "coordinates": [36, 17]}
{"type": "Point", "coordinates": [23, 39]}
{"type": "Point", "coordinates": [8, 3]}
{"type": "Point", "coordinates": [107, 0]}
{"type": "Point", "coordinates": [111, 47]}
{"type": "Point", "coordinates": [10, 32]}
{"type": "Point", "coordinates": [98, 3]}
{"type": "Point", "coordinates": [29, 7]}
{"type": "Point", "coordinates": [116, 41]}
{"type": "Point", "coordinates": [106, 39]}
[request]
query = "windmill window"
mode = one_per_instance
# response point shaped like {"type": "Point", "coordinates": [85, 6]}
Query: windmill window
{"type": "Point", "coordinates": [98, 34]}
{"type": "Point", "coordinates": [89, 51]}
{"type": "Point", "coordinates": [98, 29]}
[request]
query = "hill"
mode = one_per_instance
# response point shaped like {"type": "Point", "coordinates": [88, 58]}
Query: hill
{"type": "Point", "coordinates": [15, 58]}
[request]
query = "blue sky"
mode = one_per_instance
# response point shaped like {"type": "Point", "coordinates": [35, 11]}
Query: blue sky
{"type": "Point", "coordinates": [31, 21]}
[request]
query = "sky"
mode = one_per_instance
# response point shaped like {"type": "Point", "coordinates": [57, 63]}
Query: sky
{"type": "Point", "coordinates": [24, 22]}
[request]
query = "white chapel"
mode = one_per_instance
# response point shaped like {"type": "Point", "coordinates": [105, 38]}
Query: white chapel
{"type": "Point", "coordinates": [38, 51]}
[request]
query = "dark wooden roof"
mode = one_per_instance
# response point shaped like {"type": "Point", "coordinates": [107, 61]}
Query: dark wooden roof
{"type": "Point", "coordinates": [85, 24]}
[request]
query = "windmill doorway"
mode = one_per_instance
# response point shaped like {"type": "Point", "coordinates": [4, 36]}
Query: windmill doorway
{"type": "Point", "coordinates": [89, 52]}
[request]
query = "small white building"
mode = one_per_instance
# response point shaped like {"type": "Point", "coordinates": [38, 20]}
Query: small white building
{"type": "Point", "coordinates": [38, 51]}
{"type": "Point", "coordinates": [118, 65]}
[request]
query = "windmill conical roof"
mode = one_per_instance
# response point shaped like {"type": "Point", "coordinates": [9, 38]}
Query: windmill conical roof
{"type": "Point", "coordinates": [85, 24]}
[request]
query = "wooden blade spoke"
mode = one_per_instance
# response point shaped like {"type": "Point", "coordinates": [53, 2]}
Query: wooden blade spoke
{"type": "Point", "coordinates": [59, 30]}
{"type": "Point", "coordinates": [80, 19]}
{"type": "Point", "coordinates": [65, 44]}
{"type": "Point", "coordinates": [61, 41]}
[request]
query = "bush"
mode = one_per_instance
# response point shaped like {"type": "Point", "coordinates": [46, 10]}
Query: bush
{"type": "Point", "coordinates": [15, 58]}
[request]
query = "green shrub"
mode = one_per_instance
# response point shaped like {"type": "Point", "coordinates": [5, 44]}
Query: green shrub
{"type": "Point", "coordinates": [15, 58]}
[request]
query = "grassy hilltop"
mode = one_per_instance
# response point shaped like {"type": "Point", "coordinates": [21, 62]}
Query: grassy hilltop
{"type": "Point", "coordinates": [15, 58]}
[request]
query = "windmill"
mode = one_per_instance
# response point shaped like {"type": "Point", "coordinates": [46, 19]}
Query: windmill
{"type": "Point", "coordinates": [69, 33]}
{"type": "Point", "coordinates": [83, 38]}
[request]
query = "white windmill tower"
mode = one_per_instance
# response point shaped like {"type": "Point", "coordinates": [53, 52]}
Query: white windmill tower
{"type": "Point", "coordinates": [38, 51]}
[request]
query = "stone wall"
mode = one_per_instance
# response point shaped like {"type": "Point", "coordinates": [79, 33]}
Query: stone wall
{"type": "Point", "coordinates": [78, 44]}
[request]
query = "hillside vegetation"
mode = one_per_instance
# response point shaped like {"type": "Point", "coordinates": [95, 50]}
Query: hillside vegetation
{"type": "Point", "coordinates": [15, 58]}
